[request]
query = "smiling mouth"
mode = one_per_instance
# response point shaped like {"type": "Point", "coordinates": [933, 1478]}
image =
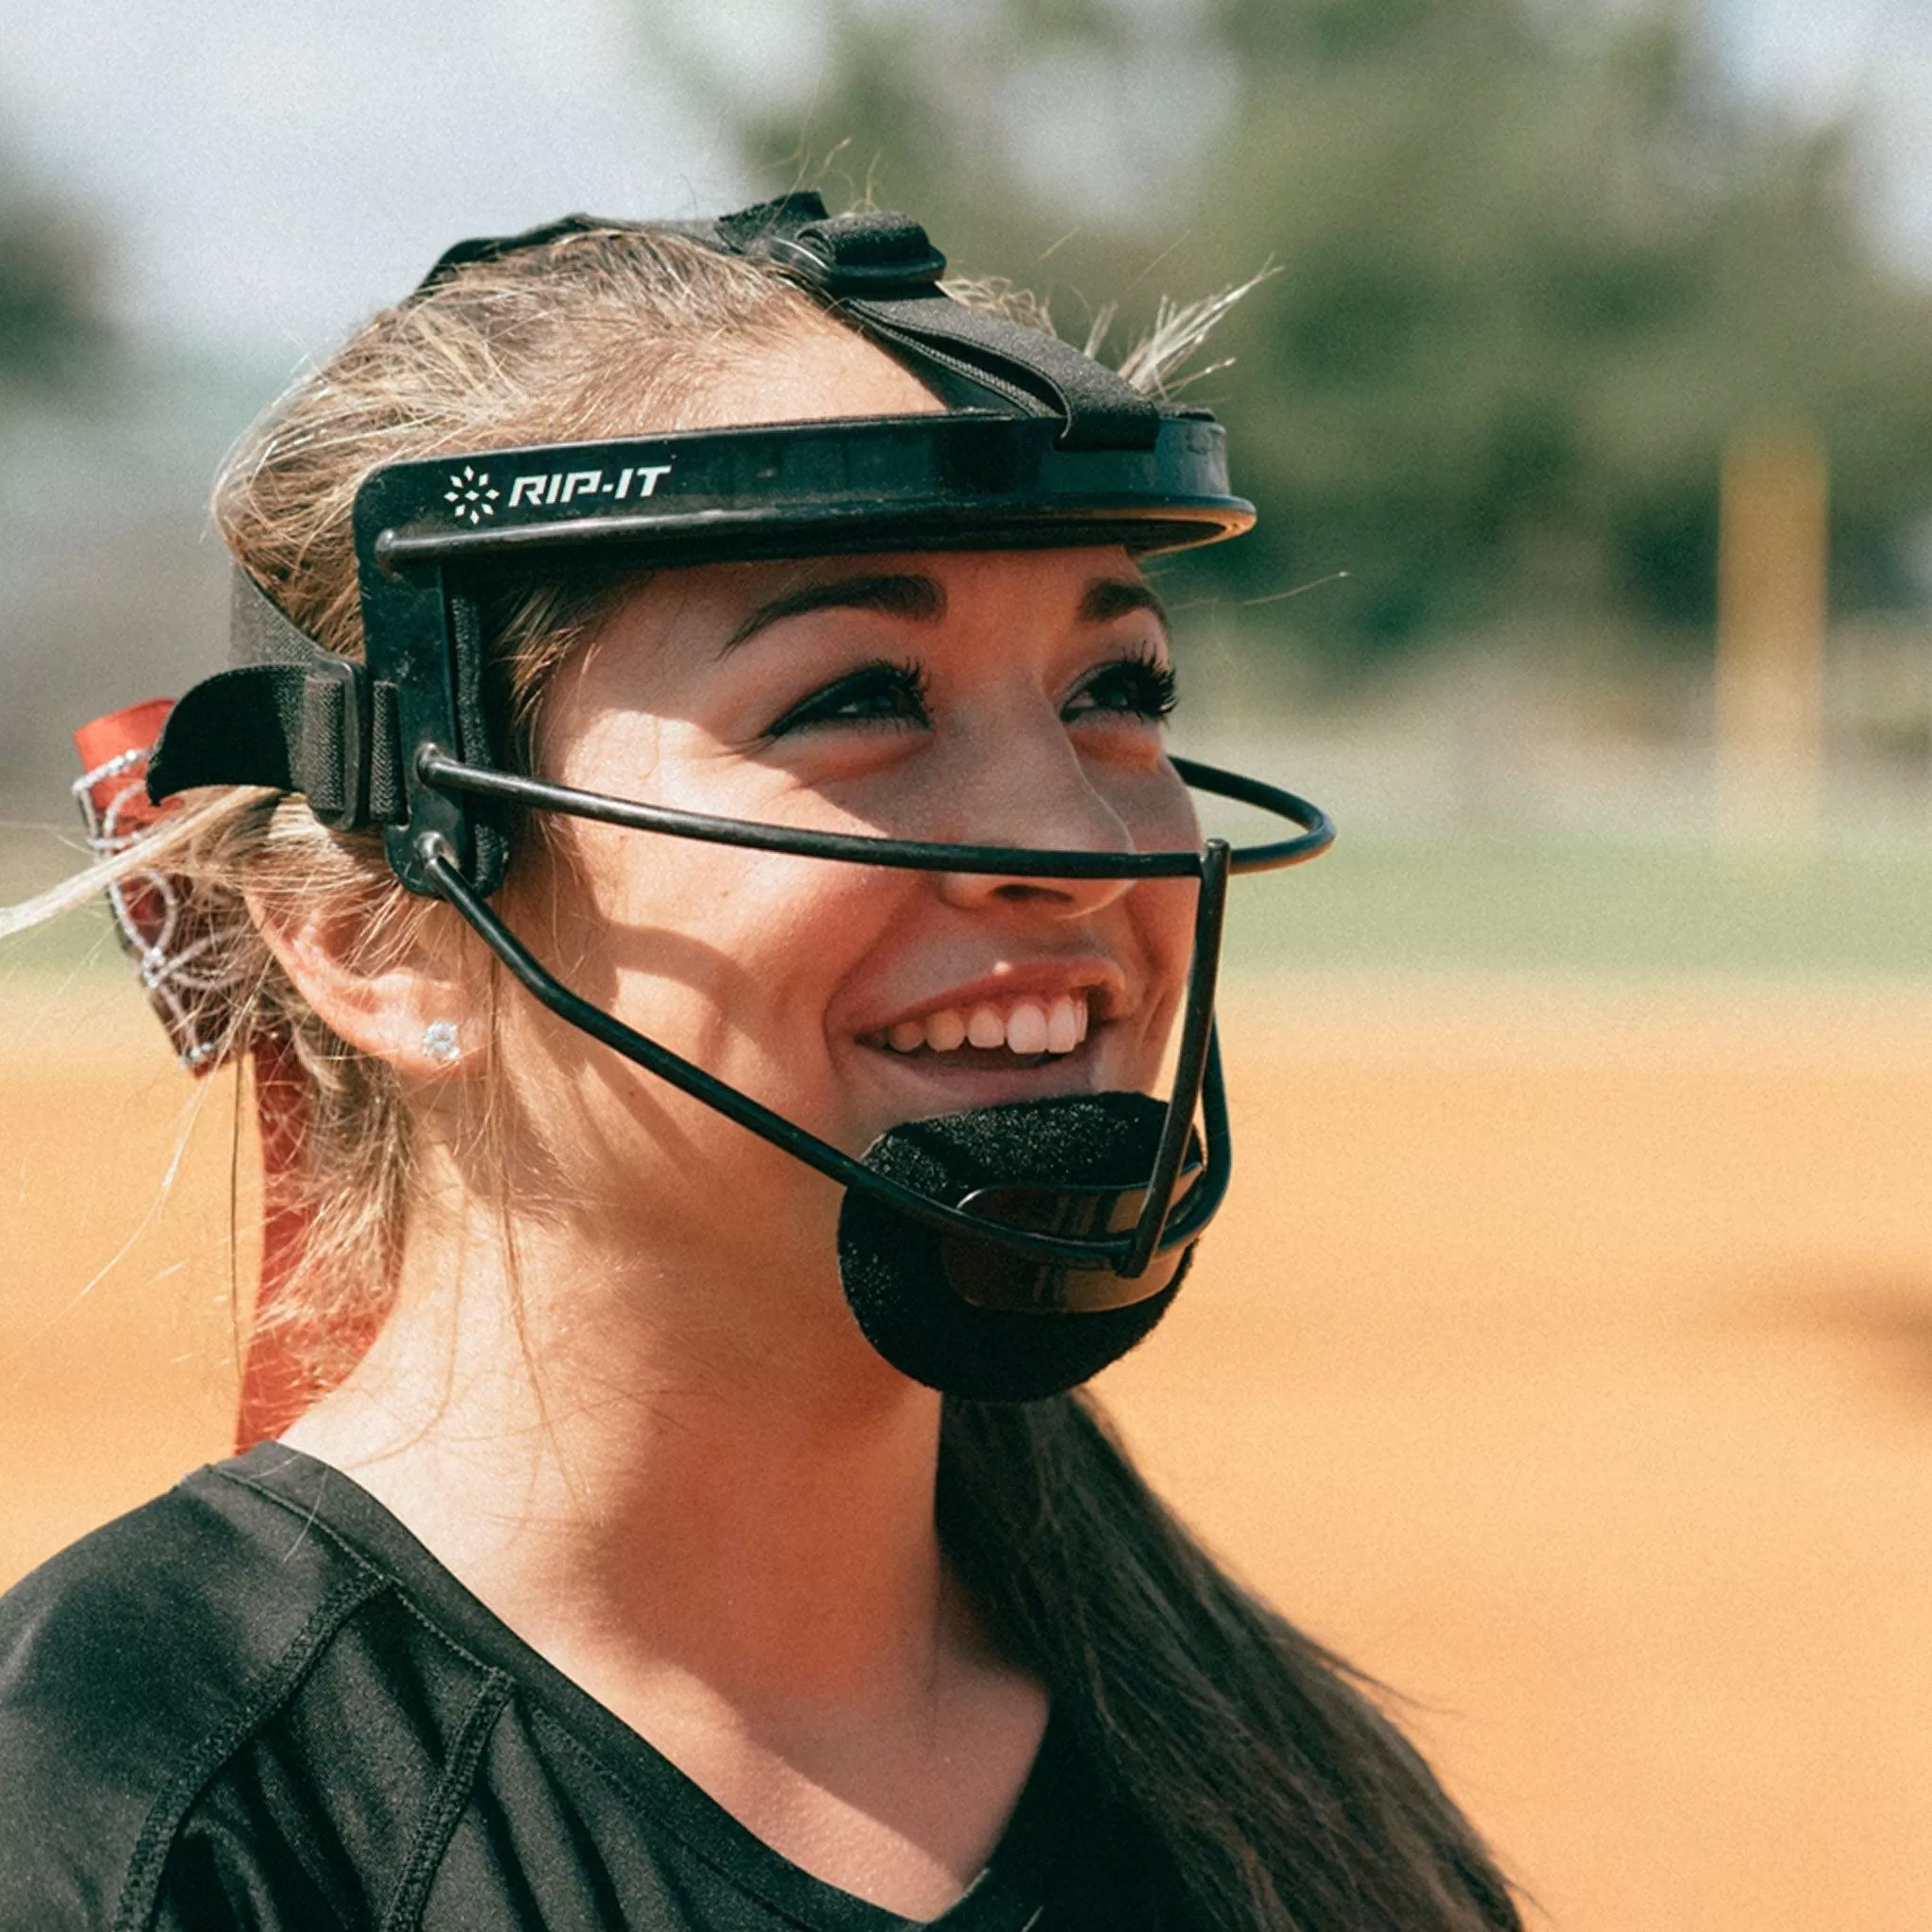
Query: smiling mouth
{"type": "Point", "coordinates": [1026, 1030]}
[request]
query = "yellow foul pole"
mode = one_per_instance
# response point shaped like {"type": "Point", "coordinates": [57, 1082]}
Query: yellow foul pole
{"type": "Point", "coordinates": [1771, 562]}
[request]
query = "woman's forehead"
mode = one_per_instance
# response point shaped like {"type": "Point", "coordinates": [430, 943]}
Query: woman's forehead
{"type": "Point", "coordinates": [819, 372]}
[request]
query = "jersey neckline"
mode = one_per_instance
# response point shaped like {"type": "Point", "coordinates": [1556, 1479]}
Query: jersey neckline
{"type": "Point", "coordinates": [1007, 1896]}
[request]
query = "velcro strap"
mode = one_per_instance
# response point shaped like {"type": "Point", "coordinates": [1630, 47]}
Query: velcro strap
{"type": "Point", "coordinates": [1020, 366]}
{"type": "Point", "coordinates": [288, 715]}
{"type": "Point", "coordinates": [874, 254]}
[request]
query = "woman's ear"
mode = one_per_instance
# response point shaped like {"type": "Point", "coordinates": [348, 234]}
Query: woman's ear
{"type": "Point", "coordinates": [408, 987]}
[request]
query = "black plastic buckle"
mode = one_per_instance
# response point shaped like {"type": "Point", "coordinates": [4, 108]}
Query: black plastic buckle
{"type": "Point", "coordinates": [861, 256]}
{"type": "Point", "coordinates": [331, 755]}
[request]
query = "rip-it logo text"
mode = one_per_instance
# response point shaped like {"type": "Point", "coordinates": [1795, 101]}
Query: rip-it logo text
{"type": "Point", "coordinates": [566, 486]}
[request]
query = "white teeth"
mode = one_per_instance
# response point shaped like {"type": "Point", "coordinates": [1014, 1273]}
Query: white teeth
{"type": "Point", "coordinates": [946, 1030]}
{"type": "Point", "coordinates": [1026, 1028]}
{"type": "Point", "coordinates": [1065, 1023]}
{"type": "Point", "coordinates": [1031, 1027]}
{"type": "Point", "coordinates": [984, 1028]}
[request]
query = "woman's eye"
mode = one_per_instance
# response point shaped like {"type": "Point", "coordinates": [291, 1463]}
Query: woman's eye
{"type": "Point", "coordinates": [1128, 687]}
{"type": "Point", "coordinates": [877, 693]}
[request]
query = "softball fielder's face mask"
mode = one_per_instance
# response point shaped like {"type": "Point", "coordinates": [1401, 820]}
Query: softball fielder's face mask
{"type": "Point", "coordinates": [1004, 1252]}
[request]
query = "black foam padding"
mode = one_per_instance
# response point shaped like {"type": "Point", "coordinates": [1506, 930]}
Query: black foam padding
{"type": "Point", "coordinates": [895, 1281]}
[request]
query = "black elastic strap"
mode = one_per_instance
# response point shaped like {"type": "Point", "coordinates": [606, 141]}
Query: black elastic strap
{"type": "Point", "coordinates": [494, 248]}
{"type": "Point", "coordinates": [1019, 366]}
{"type": "Point", "coordinates": [879, 269]}
{"type": "Point", "coordinates": [260, 632]}
{"type": "Point", "coordinates": [728, 234]}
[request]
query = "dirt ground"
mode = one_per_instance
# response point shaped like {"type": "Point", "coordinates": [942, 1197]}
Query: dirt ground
{"type": "Point", "coordinates": [1564, 1358]}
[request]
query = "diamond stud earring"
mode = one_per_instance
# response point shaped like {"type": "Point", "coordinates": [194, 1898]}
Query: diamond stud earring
{"type": "Point", "coordinates": [440, 1043]}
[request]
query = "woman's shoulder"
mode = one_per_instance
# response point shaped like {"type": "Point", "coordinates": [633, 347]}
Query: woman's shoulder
{"type": "Point", "coordinates": [158, 1626]}
{"type": "Point", "coordinates": [136, 1662]}
{"type": "Point", "coordinates": [254, 1701]}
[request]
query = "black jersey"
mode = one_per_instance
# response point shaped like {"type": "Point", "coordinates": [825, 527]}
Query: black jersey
{"type": "Point", "coordinates": [259, 1702]}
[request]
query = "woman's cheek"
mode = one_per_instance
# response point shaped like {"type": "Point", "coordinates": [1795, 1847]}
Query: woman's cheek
{"type": "Point", "coordinates": [1166, 821]}
{"type": "Point", "coordinates": [780, 934]}
{"type": "Point", "coordinates": [1165, 909]}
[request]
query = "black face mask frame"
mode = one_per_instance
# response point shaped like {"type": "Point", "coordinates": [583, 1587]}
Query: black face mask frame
{"type": "Point", "coordinates": [1039, 447]}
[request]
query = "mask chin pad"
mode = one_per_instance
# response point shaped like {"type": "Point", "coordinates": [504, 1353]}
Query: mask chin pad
{"type": "Point", "coordinates": [973, 1319]}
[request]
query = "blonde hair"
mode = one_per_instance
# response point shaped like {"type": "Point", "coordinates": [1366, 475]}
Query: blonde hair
{"type": "Point", "coordinates": [601, 333]}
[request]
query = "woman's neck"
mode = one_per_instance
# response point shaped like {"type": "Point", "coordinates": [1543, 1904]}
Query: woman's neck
{"type": "Point", "coordinates": [721, 1529]}
{"type": "Point", "coordinates": [605, 1450]}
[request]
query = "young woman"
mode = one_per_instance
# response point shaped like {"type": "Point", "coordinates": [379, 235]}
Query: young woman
{"type": "Point", "coordinates": [662, 1516]}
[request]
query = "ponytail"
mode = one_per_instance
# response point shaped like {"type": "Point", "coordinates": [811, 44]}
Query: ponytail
{"type": "Point", "coordinates": [1266, 1792]}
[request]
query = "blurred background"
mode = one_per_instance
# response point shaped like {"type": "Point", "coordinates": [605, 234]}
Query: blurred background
{"type": "Point", "coordinates": [1568, 1360]}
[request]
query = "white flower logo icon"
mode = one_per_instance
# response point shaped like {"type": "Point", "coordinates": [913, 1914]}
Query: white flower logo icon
{"type": "Point", "coordinates": [472, 495]}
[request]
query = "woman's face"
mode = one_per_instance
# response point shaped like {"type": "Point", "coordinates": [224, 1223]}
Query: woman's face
{"type": "Point", "coordinates": [1009, 698]}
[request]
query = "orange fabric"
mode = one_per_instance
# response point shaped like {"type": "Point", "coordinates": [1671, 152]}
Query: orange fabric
{"type": "Point", "coordinates": [133, 729]}
{"type": "Point", "coordinates": [276, 1386]}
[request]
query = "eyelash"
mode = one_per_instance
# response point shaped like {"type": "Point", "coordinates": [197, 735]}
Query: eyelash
{"type": "Point", "coordinates": [902, 685]}
{"type": "Point", "coordinates": [1140, 685]}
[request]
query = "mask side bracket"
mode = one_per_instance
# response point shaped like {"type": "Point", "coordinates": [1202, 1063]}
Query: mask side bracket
{"type": "Point", "coordinates": [1190, 1066]}
{"type": "Point", "coordinates": [423, 644]}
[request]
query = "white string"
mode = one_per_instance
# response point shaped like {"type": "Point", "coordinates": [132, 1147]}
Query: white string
{"type": "Point", "coordinates": [139, 855]}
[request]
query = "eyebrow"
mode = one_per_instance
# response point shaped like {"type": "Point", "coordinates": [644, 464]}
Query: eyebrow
{"type": "Point", "coordinates": [918, 598]}
{"type": "Point", "coordinates": [1106, 598]}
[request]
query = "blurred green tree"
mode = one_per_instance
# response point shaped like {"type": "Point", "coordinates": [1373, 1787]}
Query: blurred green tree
{"type": "Point", "coordinates": [52, 329]}
{"type": "Point", "coordinates": [1534, 269]}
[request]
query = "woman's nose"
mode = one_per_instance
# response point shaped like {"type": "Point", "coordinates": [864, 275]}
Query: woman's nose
{"type": "Point", "coordinates": [1044, 801]}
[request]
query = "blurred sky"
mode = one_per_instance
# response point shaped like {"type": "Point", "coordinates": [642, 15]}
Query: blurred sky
{"type": "Point", "coordinates": [274, 172]}
{"type": "Point", "coordinates": [270, 172]}
{"type": "Point", "coordinates": [1820, 59]}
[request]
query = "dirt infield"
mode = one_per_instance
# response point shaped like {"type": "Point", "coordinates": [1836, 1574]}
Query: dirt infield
{"type": "Point", "coordinates": [1565, 1358]}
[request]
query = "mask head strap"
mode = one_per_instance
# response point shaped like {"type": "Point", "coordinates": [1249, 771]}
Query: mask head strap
{"type": "Point", "coordinates": [879, 271]}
